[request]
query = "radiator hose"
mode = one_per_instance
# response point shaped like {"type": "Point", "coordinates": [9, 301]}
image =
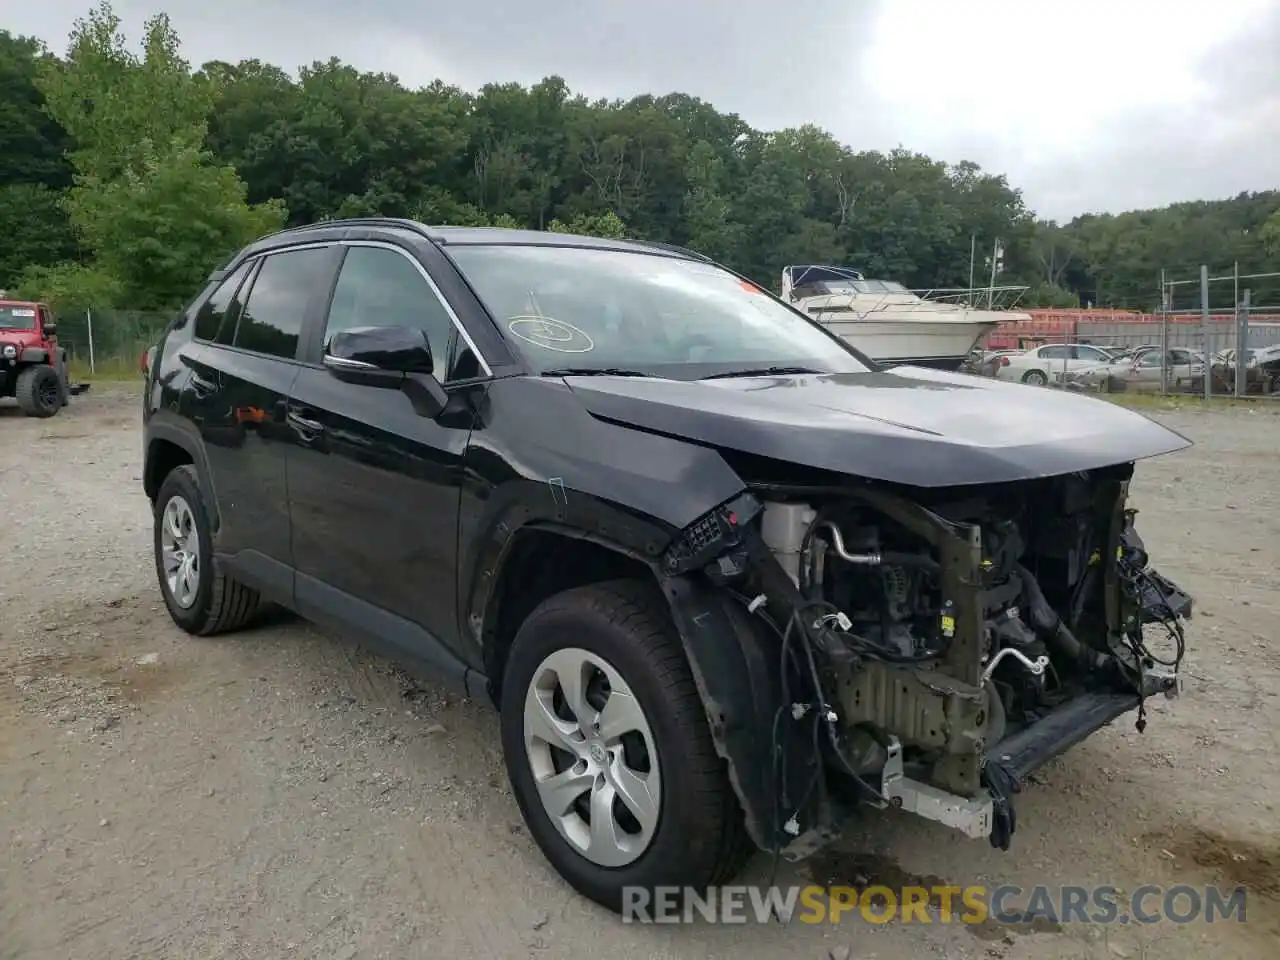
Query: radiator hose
{"type": "Point", "coordinates": [1046, 622]}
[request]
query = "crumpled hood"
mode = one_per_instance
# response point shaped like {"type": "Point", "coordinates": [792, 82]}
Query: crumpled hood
{"type": "Point", "coordinates": [907, 425]}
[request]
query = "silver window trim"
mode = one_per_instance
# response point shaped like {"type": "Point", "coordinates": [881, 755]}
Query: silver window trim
{"type": "Point", "coordinates": [457, 323]}
{"type": "Point", "coordinates": [252, 261]}
{"type": "Point", "coordinates": [347, 363]}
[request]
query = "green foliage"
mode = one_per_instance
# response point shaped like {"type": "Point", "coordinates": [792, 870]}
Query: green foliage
{"type": "Point", "coordinates": [160, 230]}
{"type": "Point", "coordinates": [150, 205]}
{"type": "Point", "coordinates": [606, 225]}
{"type": "Point", "coordinates": [69, 286]}
{"type": "Point", "coordinates": [1051, 295]}
{"type": "Point", "coordinates": [35, 229]}
{"type": "Point", "coordinates": [1270, 234]}
{"type": "Point", "coordinates": [119, 108]}
{"type": "Point", "coordinates": [173, 169]}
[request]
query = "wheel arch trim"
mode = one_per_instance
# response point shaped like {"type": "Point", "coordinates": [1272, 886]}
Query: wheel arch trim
{"type": "Point", "coordinates": [165, 429]}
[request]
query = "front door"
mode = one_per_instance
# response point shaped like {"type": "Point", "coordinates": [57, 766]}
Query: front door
{"type": "Point", "coordinates": [374, 488]}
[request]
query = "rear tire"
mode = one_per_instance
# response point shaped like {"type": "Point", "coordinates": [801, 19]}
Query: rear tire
{"type": "Point", "coordinates": [39, 391]}
{"type": "Point", "coordinates": [1035, 378]}
{"type": "Point", "coordinates": [201, 599]}
{"type": "Point", "coordinates": [621, 630]}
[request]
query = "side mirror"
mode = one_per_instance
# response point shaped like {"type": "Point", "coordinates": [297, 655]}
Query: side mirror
{"type": "Point", "coordinates": [397, 358]}
{"type": "Point", "coordinates": [50, 329]}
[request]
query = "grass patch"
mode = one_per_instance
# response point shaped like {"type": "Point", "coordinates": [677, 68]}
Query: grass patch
{"type": "Point", "coordinates": [1154, 400]}
{"type": "Point", "coordinates": [108, 369]}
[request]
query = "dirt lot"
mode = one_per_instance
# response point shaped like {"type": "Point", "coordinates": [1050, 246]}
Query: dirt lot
{"type": "Point", "coordinates": [280, 794]}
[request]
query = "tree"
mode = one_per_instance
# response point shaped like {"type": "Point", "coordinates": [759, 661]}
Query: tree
{"type": "Point", "coordinates": [1271, 234]}
{"type": "Point", "coordinates": [255, 145]}
{"type": "Point", "coordinates": [153, 210]}
{"type": "Point", "coordinates": [33, 145]}
{"type": "Point", "coordinates": [35, 227]}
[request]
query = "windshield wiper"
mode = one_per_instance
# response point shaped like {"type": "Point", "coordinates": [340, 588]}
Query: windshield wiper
{"type": "Point", "coordinates": [761, 372]}
{"type": "Point", "coordinates": [592, 372]}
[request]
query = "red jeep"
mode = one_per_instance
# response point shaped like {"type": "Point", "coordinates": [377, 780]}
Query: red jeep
{"type": "Point", "coordinates": [33, 367]}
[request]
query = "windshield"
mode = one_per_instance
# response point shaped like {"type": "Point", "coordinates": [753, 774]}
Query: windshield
{"type": "Point", "coordinates": [14, 317]}
{"type": "Point", "coordinates": [591, 309]}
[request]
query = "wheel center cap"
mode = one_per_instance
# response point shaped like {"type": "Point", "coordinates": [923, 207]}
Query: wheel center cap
{"type": "Point", "coordinates": [597, 753]}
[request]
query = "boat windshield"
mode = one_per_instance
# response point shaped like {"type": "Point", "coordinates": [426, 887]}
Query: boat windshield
{"type": "Point", "coordinates": [827, 288]}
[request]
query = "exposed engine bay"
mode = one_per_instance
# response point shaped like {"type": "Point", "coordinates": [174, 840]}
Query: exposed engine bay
{"type": "Point", "coordinates": [936, 646]}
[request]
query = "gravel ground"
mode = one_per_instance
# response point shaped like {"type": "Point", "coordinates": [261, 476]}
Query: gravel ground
{"type": "Point", "coordinates": [279, 793]}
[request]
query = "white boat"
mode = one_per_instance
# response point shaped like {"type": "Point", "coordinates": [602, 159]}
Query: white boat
{"type": "Point", "coordinates": [891, 324]}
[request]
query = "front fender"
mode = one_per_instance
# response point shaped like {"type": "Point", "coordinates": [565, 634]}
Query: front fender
{"type": "Point", "coordinates": [537, 456]}
{"type": "Point", "coordinates": [34, 355]}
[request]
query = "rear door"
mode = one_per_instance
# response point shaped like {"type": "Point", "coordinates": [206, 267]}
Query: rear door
{"type": "Point", "coordinates": [374, 487]}
{"type": "Point", "coordinates": [242, 362]}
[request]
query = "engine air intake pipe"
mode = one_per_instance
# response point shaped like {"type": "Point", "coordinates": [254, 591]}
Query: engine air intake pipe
{"type": "Point", "coordinates": [1046, 622]}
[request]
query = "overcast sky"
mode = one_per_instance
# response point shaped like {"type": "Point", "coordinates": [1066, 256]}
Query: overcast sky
{"type": "Point", "coordinates": [1091, 105]}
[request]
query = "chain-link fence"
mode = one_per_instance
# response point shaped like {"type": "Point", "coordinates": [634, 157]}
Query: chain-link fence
{"type": "Point", "coordinates": [1190, 346]}
{"type": "Point", "coordinates": [1235, 320]}
{"type": "Point", "coordinates": [108, 342]}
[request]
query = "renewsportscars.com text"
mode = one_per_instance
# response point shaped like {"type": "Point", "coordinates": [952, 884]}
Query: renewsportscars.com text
{"type": "Point", "coordinates": [1009, 905]}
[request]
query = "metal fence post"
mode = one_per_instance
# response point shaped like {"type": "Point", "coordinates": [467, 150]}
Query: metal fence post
{"type": "Point", "coordinates": [1205, 332]}
{"type": "Point", "coordinates": [88, 319]}
{"type": "Point", "coordinates": [1242, 343]}
{"type": "Point", "coordinates": [1164, 334]}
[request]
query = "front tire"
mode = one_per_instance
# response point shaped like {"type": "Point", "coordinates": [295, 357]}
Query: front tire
{"type": "Point", "coordinates": [39, 391]}
{"type": "Point", "coordinates": [200, 599]}
{"type": "Point", "coordinates": [625, 793]}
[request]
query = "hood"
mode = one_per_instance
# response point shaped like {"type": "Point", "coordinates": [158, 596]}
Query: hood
{"type": "Point", "coordinates": [910, 425]}
{"type": "Point", "coordinates": [19, 338]}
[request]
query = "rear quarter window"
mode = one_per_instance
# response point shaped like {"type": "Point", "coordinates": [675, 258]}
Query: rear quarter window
{"type": "Point", "coordinates": [218, 312]}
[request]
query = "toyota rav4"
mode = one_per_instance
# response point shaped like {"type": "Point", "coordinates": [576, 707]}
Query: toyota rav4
{"type": "Point", "coordinates": [724, 577]}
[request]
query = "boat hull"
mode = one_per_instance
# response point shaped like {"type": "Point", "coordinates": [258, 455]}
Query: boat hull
{"type": "Point", "coordinates": [942, 344]}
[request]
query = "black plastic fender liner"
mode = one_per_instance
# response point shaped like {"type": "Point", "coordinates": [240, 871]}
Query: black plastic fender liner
{"type": "Point", "coordinates": [735, 661]}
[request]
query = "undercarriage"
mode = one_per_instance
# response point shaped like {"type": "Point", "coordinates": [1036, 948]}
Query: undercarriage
{"type": "Point", "coordinates": [929, 649]}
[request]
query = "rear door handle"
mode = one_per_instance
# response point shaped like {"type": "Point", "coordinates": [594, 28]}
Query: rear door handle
{"type": "Point", "coordinates": [200, 386]}
{"type": "Point", "coordinates": [303, 421]}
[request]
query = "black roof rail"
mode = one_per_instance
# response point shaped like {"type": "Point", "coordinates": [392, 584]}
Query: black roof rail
{"type": "Point", "coordinates": [673, 248]}
{"type": "Point", "coordinates": [423, 230]}
{"type": "Point", "coordinates": [404, 223]}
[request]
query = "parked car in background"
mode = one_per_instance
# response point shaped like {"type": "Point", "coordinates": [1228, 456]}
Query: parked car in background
{"type": "Point", "coordinates": [1143, 366]}
{"type": "Point", "coordinates": [1038, 366]}
{"type": "Point", "coordinates": [1262, 368]}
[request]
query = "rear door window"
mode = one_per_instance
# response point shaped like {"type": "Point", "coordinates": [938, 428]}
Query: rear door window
{"type": "Point", "coordinates": [276, 305]}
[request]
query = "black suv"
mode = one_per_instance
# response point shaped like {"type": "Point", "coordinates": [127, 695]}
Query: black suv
{"type": "Point", "coordinates": [724, 577]}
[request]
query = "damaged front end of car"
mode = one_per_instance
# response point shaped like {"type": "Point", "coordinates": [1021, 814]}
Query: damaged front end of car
{"type": "Point", "coordinates": [922, 648]}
